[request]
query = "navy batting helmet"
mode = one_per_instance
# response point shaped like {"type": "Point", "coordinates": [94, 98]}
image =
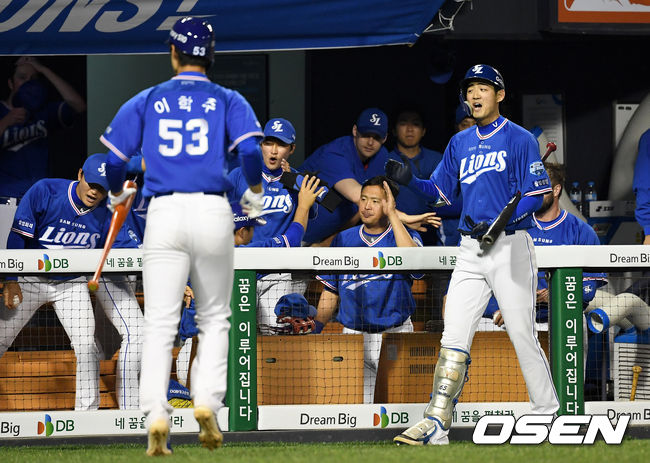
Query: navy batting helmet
{"type": "Point", "coordinates": [481, 73]}
{"type": "Point", "coordinates": [193, 37]}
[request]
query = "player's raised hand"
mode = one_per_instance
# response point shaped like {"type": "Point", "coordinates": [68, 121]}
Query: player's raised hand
{"type": "Point", "coordinates": [119, 198]}
{"type": "Point", "coordinates": [12, 294]}
{"type": "Point", "coordinates": [252, 204]}
{"type": "Point", "coordinates": [285, 166]}
{"type": "Point", "coordinates": [398, 172]}
{"type": "Point", "coordinates": [388, 204]}
{"type": "Point", "coordinates": [309, 191]}
{"type": "Point", "coordinates": [15, 116]}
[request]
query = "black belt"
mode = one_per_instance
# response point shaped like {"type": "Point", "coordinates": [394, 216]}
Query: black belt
{"type": "Point", "coordinates": [167, 193]}
{"type": "Point", "coordinates": [7, 199]}
{"type": "Point", "coordinates": [480, 237]}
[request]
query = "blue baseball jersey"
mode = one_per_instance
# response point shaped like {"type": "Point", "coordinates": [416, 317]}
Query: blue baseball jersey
{"type": "Point", "coordinates": [336, 161]}
{"type": "Point", "coordinates": [51, 216]}
{"type": "Point", "coordinates": [641, 184]}
{"type": "Point", "coordinates": [279, 202]}
{"type": "Point", "coordinates": [24, 149]}
{"type": "Point", "coordinates": [566, 229]}
{"type": "Point", "coordinates": [186, 127]}
{"type": "Point", "coordinates": [372, 302]}
{"type": "Point", "coordinates": [490, 164]}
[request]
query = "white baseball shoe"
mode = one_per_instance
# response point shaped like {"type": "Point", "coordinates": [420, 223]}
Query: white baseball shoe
{"type": "Point", "coordinates": [158, 438]}
{"type": "Point", "coordinates": [429, 431]}
{"type": "Point", "coordinates": [210, 435]}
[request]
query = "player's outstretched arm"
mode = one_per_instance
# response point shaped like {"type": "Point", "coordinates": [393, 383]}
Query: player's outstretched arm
{"type": "Point", "coordinates": [417, 222]}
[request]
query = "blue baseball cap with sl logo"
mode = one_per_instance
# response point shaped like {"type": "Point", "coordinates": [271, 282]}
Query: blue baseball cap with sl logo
{"type": "Point", "coordinates": [94, 170]}
{"type": "Point", "coordinates": [281, 129]}
{"type": "Point", "coordinates": [373, 121]}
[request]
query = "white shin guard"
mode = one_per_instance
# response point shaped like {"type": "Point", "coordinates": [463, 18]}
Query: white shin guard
{"type": "Point", "coordinates": [449, 378]}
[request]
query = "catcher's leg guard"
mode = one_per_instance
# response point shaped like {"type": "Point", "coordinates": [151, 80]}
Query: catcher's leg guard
{"type": "Point", "coordinates": [448, 381]}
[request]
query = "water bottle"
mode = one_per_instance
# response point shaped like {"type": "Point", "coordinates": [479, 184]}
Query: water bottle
{"type": "Point", "coordinates": [590, 195]}
{"type": "Point", "coordinates": [575, 193]}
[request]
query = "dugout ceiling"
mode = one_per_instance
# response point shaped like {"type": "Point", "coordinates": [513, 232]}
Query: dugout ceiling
{"type": "Point", "coordinates": [71, 27]}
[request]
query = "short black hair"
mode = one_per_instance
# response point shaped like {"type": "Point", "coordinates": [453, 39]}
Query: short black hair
{"type": "Point", "coordinates": [379, 181]}
{"type": "Point", "coordinates": [409, 109]}
{"type": "Point", "coordinates": [189, 60]}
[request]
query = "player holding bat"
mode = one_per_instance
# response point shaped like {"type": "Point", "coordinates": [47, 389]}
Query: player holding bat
{"type": "Point", "coordinates": [187, 128]}
{"type": "Point", "coordinates": [490, 163]}
{"type": "Point", "coordinates": [61, 214]}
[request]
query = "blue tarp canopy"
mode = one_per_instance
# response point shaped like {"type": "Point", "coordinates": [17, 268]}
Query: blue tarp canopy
{"type": "Point", "coordinates": [64, 27]}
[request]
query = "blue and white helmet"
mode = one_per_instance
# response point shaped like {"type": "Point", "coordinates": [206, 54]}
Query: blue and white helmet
{"type": "Point", "coordinates": [193, 37]}
{"type": "Point", "coordinates": [481, 73]}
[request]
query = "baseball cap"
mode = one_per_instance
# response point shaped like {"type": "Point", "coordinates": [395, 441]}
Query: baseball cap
{"type": "Point", "coordinates": [242, 220]}
{"type": "Point", "coordinates": [373, 120]}
{"type": "Point", "coordinates": [294, 305]}
{"type": "Point", "coordinates": [281, 129]}
{"type": "Point", "coordinates": [94, 170]}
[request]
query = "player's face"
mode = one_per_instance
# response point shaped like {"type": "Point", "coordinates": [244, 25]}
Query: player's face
{"type": "Point", "coordinates": [274, 151]}
{"type": "Point", "coordinates": [549, 199]}
{"type": "Point", "coordinates": [370, 205]}
{"type": "Point", "coordinates": [484, 101]}
{"type": "Point", "coordinates": [90, 194]}
{"type": "Point", "coordinates": [243, 236]}
{"type": "Point", "coordinates": [466, 124]}
{"type": "Point", "coordinates": [22, 74]}
{"type": "Point", "coordinates": [409, 130]}
{"type": "Point", "coordinates": [367, 144]}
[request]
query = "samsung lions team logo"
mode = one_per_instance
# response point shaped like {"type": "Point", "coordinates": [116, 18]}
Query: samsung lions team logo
{"type": "Point", "coordinates": [536, 168]}
{"type": "Point", "coordinates": [476, 164]}
{"type": "Point", "coordinates": [102, 169]}
{"type": "Point", "coordinates": [277, 126]}
{"type": "Point", "coordinates": [478, 69]}
{"type": "Point", "coordinates": [375, 119]}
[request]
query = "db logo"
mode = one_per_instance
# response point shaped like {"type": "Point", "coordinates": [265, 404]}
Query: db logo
{"type": "Point", "coordinates": [381, 261]}
{"type": "Point", "coordinates": [383, 419]}
{"type": "Point", "coordinates": [48, 264]}
{"type": "Point", "coordinates": [535, 429]}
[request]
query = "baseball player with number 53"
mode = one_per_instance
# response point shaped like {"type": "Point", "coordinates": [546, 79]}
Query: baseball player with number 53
{"type": "Point", "coordinates": [495, 163]}
{"type": "Point", "coordinates": [186, 128]}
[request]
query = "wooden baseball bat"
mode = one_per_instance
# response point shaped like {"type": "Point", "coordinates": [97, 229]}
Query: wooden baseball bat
{"type": "Point", "coordinates": [550, 147]}
{"type": "Point", "coordinates": [636, 370]}
{"type": "Point", "coordinates": [119, 216]}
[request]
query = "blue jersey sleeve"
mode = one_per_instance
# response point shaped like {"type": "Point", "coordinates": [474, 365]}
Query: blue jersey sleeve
{"type": "Point", "coordinates": [641, 184]}
{"type": "Point", "coordinates": [529, 170]}
{"type": "Point", "coordinates": [289, 239]}
{"type": "Point", "coordinates": [242, 123]}
{"type": "Point", "coordinates": [236, 177]}
{"type": "Point", "coordinates": [131, 115]}
{"type": "Point", "coordinates": [31, 207]}
{"type": "Point", "coordinates": [445, 177]}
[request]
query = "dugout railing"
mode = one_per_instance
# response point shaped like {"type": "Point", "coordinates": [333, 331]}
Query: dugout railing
{"type": "Point", "coordinates": [564, 265]}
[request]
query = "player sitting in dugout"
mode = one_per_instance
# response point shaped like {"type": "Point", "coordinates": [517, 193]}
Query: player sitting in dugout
{"type": "Point", "coordinates": [377, 303]}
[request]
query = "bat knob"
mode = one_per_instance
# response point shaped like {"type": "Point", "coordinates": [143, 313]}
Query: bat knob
{"type": "Point", "coordinates": [93, 285]}
{"type": "Point", "coordinates": [487, 240]}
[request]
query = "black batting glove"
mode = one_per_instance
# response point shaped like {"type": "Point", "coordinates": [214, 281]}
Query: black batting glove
{"type": "Point", "coordinates": [398, 172]}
